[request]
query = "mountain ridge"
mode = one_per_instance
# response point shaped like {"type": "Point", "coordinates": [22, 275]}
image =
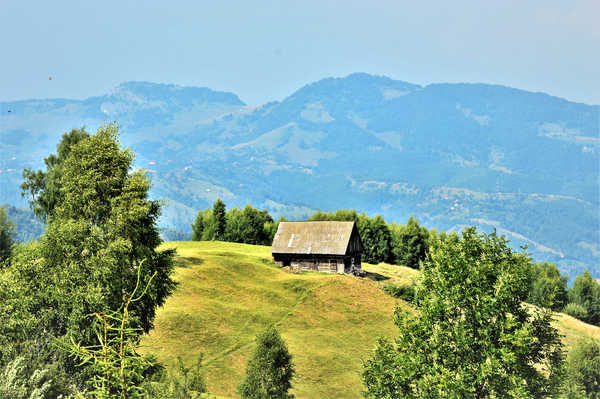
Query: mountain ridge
{"type": "Point", "coordinates": [448, 153]}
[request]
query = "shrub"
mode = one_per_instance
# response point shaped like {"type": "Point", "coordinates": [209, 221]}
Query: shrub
{"type": "Point", "coordinates": [576, 310]}
{"type": "Point", "coordinates": [405, 292]}
{"type": "Point", "coordinates": [583, 370]}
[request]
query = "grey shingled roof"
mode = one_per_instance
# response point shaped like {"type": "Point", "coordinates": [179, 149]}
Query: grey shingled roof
{"type": "Point", "coordinates": [322, 238]}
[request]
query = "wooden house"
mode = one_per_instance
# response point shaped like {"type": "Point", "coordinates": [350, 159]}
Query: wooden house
{"type": "Point", "coordinates": [333, 247]}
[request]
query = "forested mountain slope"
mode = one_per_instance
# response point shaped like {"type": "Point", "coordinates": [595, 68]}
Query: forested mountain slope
{"type": "Point", "coordinates": [450, 154]}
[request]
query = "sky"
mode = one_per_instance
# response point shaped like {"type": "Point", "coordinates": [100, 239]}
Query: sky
{"type": "Point", "coordinates": [265, 50]}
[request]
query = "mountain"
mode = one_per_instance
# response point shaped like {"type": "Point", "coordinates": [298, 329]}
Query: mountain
{"type": "Point", "coordinates": [526, 164]}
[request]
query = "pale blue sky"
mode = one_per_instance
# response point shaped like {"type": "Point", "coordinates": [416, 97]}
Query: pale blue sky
{"type": "Point", "coordinates": [264, 50]}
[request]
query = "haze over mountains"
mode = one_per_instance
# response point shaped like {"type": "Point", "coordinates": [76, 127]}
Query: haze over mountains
{"type": "Point", "coordinates": [450, 154]}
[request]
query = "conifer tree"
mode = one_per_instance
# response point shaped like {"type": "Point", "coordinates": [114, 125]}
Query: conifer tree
{"type": "Point", "coordinates": [219, 219]}
{"type": "Point", "coordinates": [269, 372]}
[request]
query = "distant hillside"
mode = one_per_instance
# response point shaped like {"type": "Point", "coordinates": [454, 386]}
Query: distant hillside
{"type": "Point", "coordinates": [452, 155]}
{"type": "Point", "coordinates": [228, 292]}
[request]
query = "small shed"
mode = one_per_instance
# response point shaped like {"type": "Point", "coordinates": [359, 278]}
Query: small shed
{"type": "Point", "coordinates": [333, 247]}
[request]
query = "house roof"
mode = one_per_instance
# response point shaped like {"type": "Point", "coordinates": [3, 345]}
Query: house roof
{"type": "Point", "coordinates": [321, 238]}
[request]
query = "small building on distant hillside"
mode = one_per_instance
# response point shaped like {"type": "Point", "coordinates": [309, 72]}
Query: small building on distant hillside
{"type": "Point", "coordinates": [333, 247]}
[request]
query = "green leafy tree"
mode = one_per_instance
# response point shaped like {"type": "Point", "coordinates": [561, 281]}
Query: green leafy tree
{"type": "Point", "coordinates": [7, 231]}
{"type": "Point", "coordinates": [473, 336]}
{"type": "Point", "coordinates": [99, 233]}
{"type": "Point", "coordinates": [270, 371]}
{"type": "Point", "coordinates": [548, 287]}
{"type": "Point", "coordinates": [220, 221]}
{"type": "Point", "coordinates": [583, 370]}
{"type": "Point", "coordinates": [376, 238]}
{"type": "Point", "coordinates": [43, 188]}
{"type": "Point", "coordinates": [576, 310]}
{"type": "Point", "coordinates": [198, 227]}
{"type": "Point", "coordinates": [586, 292]}
{"type": "Point", "coordinates": [409, 243]}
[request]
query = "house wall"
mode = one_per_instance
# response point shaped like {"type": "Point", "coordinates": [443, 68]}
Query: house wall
{"type": "Point", "coordinates": [327, 264]}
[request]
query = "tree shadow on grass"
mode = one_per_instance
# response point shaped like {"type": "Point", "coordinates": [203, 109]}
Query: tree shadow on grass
{"type": "Point", "coordinates": [182, 261]}
{"type": "Point", "coordinates": [376, 276]}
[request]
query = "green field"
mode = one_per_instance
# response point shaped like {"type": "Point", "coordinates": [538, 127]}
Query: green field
{"type": "Point", "coordinates": [229, 292]}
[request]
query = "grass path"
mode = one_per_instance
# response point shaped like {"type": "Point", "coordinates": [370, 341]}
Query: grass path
{"type": "Point", "coordinates": [249, 343]}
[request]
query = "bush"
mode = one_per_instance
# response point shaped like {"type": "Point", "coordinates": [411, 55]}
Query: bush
{"type": "Point", "coordinates": [576, 310]}
{"type": "Point", "coordinates": [586, 292]}
{"type": "Point", "coordinates": [405, 292]}
{"type": "Point", "coordinates": [548, 288]}
{"type": "Point", "coordinates": [186, 383]}
{"type": "Point", "coordinates": [583, 370]}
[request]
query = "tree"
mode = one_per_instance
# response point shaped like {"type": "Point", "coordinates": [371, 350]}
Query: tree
{"type": "Point", "coordinates": [583, 369]}
{"type": "Point", "coordinates": [473, 336]}
{"type": "Point", "coordinates": [44, 187]}
{"type": "Point", "coordinates": [375, 236]}
{"type": "Point", "coordinates": [99, 233]}
{"type": "Point", "coordinates": [548, 288]}
{"type": "Point", "coordinates": [586, 292]}
{"type": "Point", "coordinates": [198, 227]}
{"type": "Point", "coordinates": [269, 372]}
{"type": "Point", "coordinates": [219, 219]}
{"type": "Point", "coordinates": [7, 231]}
{"type": "Point", "coordinates": [409, 243]}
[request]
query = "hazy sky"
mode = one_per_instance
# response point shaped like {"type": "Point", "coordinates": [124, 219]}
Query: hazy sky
{"type": "Point", "coordinates": [264, 50]}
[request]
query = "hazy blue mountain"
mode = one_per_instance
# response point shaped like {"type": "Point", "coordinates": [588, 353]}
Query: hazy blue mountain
{"type": "Point", "coordinates": [453, 155]}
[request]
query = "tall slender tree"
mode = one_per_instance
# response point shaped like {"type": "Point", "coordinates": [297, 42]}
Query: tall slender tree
{"type": "Point", "coordinates": [219, 219]}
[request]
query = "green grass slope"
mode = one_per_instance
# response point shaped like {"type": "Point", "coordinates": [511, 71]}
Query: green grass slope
{"type": "Point", "coordinates": [229, 292]}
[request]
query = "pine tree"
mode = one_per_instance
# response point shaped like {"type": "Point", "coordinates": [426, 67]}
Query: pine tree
{"type": "Point", "coordinates": [219, 218]}
{"type": "Point", "coordinates": [269, 372]}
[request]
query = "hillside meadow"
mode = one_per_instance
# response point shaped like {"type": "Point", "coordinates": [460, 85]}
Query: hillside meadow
{"type": "Point", "coordinates": [229, 292]}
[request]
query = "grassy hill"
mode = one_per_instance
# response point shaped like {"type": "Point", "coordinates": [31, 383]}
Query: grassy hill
{"type": "Point", "coordinates": [229, 292]}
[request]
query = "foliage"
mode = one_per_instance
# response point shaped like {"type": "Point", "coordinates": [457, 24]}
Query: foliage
{"type": "Point", "coordinates": [583, 370]}
{"type": "Point", "coordinates": [405, 292]}
{"type": "Point", "coordinates": [473, 336]}
{"type": "Point", "coordinates": [102, 226]}
{"type": "Point", "coordinates": [7, 229]}
{"type": "Point", "coordinates": [118, 371]}
{"type": "Point", "coordinates": [376, 237]}
{"type": "Point", "coordinates": [374, 232]}
{"type": "Point", "coordinates": [188, 383]}
{"type": "Point", "coordinates": [248, 225]}
{"type": "Point", "coordinates": [409, 243]}
{"type": "Point", "coordinates": [27, 226]}
{"type": "Point", "coordinates": [198, 227]}
{"type": "Point", "coordinates": [548, 288]}
{"type": "Point", "coordinates": [270, 371]}
{"type": "Point", "coordinates": [44, 188]}
{"type": "Point", "coordinates": [19, 380]}
{"type": "Point", "coordinates": [586, 292]}
{"type": "Point", "coordinates": [218, 212]}
{"type": "Point", "coordinates": [576, 310]}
